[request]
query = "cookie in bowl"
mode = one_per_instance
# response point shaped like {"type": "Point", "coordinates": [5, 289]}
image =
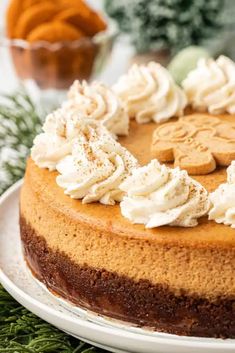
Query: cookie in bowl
{"type": "Point", "coordinates": [52, 43]}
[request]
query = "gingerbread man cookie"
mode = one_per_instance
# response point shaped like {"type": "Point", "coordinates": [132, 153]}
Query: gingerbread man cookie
{"type": "Point", "coordinates": [54, 32]}
{"type": "Point", "coordinates": [83, 18]}
{"type": "Point", "coordinates": [196, 143]}
{"type": "Point", "coordinates": [14, 11]}
{"type": "Point", "coordinates": [33, 17]}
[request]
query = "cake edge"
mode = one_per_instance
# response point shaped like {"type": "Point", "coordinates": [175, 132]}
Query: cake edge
{"type": "Point", "coordinates": [109, 294]}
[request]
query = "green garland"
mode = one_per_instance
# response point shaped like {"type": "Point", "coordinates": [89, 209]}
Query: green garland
{"type": "Point", "coordinates": [23, 332]}
{"type": "Point", "coordinates": [153, 25]}
{"type": "Point", "coordinates": [19, 124]}
{"type": "Point", "coordinates": [20, 330]}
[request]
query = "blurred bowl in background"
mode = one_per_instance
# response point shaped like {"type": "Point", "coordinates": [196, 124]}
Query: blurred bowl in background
{"type": "Point", "coordinates": [47, 70]}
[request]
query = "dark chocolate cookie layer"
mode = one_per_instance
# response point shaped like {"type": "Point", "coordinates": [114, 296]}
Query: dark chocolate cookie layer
{"type": "Point", "coordinates": [120, 297]}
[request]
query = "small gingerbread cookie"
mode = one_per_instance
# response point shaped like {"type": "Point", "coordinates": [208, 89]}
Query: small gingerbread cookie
{"type": "Point", "coordinates": [33, 17]}
{"type": "Point", "coordinates": [29, 3]}
{"type": "Point", "coordinates": [82, 17]}
{"type": "Point", "coordinates": [14, 11]}
{"type": "Point", "coordinates": [196, 143]}
{"type": "Point", "coordinates": [54, 32]}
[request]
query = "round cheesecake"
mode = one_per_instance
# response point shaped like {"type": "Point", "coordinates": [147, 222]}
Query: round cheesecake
{"type": "Point", "coordinates": [171, 279]}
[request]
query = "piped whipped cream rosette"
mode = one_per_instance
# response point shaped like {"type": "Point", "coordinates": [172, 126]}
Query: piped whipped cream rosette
{"type": "Point", "coordinates": [157, 195]}
{"type": "Point", "coordinates": [98, 102]}
{"type": "Point", "coordinates": [211, 86]}
{"type": "Point", "coordinates": [150, 94]}
{"type": "Point", "coordinates": [223, 200]}
{"type": "Point", "coordinates": [94, 101]}
{"type": "Point", "coordinates": [97, 166]}
{"type": "Point", "coordinates": [55, 142]}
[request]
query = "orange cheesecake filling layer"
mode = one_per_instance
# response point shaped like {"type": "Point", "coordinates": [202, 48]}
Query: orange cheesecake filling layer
{"type": "Point", "coordinates": [137, 302]}
{"type": "Point", "coordinates": [198, 260]}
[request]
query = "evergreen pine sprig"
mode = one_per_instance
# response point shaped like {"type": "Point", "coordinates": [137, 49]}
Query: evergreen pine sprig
{"type": "Point", "coordinates": [20, 122]}
{"type": "Point", "coordinates": [23, 332]}
{"type": "Point", "coordinates": [167, 24]}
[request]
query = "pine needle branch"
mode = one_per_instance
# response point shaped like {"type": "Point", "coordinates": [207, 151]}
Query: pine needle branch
{"type": "Point", "coordinates": [23, 332]}
{"type": "Point", "coordinates": [20, 122]}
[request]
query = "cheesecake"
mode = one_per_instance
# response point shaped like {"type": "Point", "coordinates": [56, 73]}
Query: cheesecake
{"type": "Point", "coordinates": [170, 279]}
{"type": "Point", "coordinates": [108, 228]}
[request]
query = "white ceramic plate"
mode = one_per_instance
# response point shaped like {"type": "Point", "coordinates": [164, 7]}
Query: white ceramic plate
{"type": "Point", "coordinates": [101, 332]}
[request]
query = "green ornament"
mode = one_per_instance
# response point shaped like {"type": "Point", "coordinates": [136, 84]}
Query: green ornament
{"type": "Point", "coordinates": [185, 61]}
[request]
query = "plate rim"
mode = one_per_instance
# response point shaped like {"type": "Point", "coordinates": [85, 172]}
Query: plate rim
{"type": "Point", "coordinates": [172, 340]}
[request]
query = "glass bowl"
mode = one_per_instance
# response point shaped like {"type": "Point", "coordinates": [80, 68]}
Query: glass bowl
{"type": "Point", "coordinates": [47, 70]}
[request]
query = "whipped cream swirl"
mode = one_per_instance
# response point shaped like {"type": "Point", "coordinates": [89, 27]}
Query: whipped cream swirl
{"type": "Point", "coordinates": [61, 127]}
{"type": "Point", "coordinates": [97, 166]}
{"type": "Point", "coordinates": [98, 102]}
{"type": "Point", "coordinates": [211, 86]}
{"type": "Point", "coordinates": [150, 93]}
{"type": "Point", "coordinates": [55, 142]}
{"type": "Point", "coordinates": [223, 200]}
{"type": "Point", "coordinates": [158, 195]}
